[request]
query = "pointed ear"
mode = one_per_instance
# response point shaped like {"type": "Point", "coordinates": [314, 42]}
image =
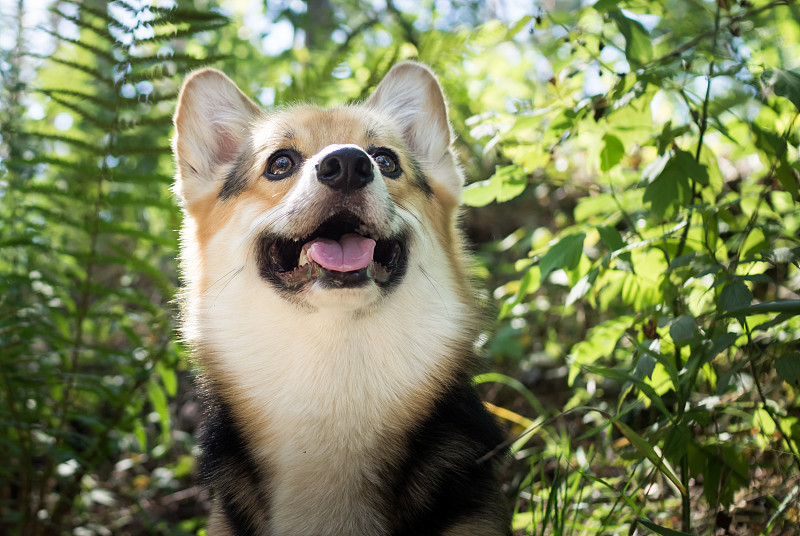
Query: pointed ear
{"type": "Point", "coordinates": [211, 123]}
{"type": "Point", "coordinates": [412, 97]}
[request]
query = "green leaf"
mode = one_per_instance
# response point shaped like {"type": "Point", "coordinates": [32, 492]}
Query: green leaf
{"type": "Point", "coordinates": [639, 383]}
{"type": "Point", "coordinates": [790, 307]}
{"type": "Point", "coordinates": [599, 342]}
{"type": "Point", "coordinates": [788, 177]}
{"type": "Point", "coordinates": [646, 449]}
{"type": "Point", "coordinates": [771, 143]}
{"type": "Point", "coordinates": [720, 344]}
{"type": "Point", "coordinates": [645, 366]}
{"type": "Point", "coordinates": [583, 286]}
{"type": "Point", "coordinates": [682, 330]}
{"type": "Point", "coordinates": [691, 167]}
{"type": "Point", "coordinates": [519, 25]}
{"type": "Point", "coordinates": [783, 83]}
{"type": "Point", "coordinates": [610, 237]}
{"type": "Point", "coordinates": [670, 189]}
{"type": "Point", "coordinates": [506, 184]}
{"type": "Point", "coordinates": [638, 42]}
{"type": "Point", "coordinates": [612, 152]}
{"type": "Point", "coordinates": [566, 254]}
{"type": "Point", "coordinates": [788, 368]}
{"type": "Point", "coordinates": [168, 377]}
{"type": "Point", "coordinates": [528, 284]}
{"type": "Point", "coordinates": [514, 384]}
{"type": "Point", "coordinates": [140, 433]}
{"type": "Point", "coordinates": [667, 137]}
{"type": "Point", "coordinates": [158, 398]}
{"type": "Point", "coordinates": [603, 6]}
{"type": "Point", "coordinates": [735, 297]}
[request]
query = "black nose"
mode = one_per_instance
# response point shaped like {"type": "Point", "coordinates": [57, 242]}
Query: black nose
{"type": "Point", "coordinates": [346, 169]}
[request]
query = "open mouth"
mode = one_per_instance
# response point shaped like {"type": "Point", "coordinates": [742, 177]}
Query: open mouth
{"type": "Point", "coordinates": [340, 253]}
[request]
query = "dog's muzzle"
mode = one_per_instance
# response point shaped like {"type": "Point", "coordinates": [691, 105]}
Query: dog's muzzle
{"type": "Point", "coordinates": [340, 253]}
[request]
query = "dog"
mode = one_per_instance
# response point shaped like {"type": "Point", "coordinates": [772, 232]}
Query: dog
{"type": "Point", "coordinates": [329, 309]}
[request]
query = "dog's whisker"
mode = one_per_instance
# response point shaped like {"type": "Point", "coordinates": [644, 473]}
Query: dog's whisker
{"type": "Point", "coordinates": [212, 285]}
{"type": "Point", "coordinates": [227, 282]}
{"type": "Point", "coordinates": [435, 287]}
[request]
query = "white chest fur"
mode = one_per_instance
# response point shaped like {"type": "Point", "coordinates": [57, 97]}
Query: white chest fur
{"type": "Point", "coordinates": [322, 392]}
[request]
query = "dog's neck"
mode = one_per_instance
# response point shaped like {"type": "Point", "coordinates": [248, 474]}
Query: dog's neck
{"type": "Point", "coordinates": [276, 354]}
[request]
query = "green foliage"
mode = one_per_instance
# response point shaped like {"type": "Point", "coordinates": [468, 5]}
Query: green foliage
{"type": "Point", "coordinates": [86, 262]}
{"type": "Point", "coordinates": [637, 169]}
{"type": "Point", "coordinates": [683, 252]}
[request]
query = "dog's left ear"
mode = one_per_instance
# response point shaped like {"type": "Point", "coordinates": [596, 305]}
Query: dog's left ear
{"type": "Point", "coordinates": [211, 124]}
{"type": "Point", "coordinates": [412, 96]}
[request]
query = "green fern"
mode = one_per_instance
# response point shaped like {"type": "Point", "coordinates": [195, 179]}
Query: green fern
{"type": "Point", "coordinates": [86, 258]}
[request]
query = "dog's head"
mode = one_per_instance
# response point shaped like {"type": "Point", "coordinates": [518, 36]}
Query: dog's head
{"type": "Point", "coordinates": [323, 208]}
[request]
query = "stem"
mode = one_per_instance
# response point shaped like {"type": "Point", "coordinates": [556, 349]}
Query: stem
{"type": "Point", "coordinates": [703, 126]}
{"type": "Point", "coordinates": [702, 123]}
{"type": "Point", "coordinates": [686, 503]}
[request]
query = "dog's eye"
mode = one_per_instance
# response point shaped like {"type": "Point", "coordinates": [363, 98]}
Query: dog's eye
{"type": "Point", "coordinates": [280, 165]}
{"type": "Point", "coordinates": [387, 162]}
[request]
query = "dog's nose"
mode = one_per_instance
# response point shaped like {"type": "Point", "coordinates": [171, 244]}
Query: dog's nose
{"type": "Point", "coordinates": [346, 169]}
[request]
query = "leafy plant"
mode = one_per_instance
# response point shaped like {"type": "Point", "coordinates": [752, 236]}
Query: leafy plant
{"type": "Point", "coordinates": [86, 260]}
{"type": "Point", "coordinates": [683, 250]}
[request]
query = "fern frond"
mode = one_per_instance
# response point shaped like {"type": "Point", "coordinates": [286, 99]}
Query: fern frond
{"type": "Point", "coordinates": [80, 111]}
{"type": "Point", "coordinates": [133, 232]}
{"type": "Point", "coordinates": [151, 74]}
{"type": "Point", "coordinates": [185, 15]}
{"type": "Point", "coordinates": [87, 252]}
{"type": "Point", "coordinates": [124, 199]}
{"type": "Point", "coordinates": [184, 59]}
{"type": "Point", "coordinates": [71, 141]}
{"type": "Point", "coordinates": [97, 51]}
{"type": "Point", "coordinates": [81, 95]}
{"type": "Point", "coordinates": [124, 148]}
{"type": "Point", "coordinates": [65, 164]}
{"type": "Point", "coordinates": [183, 33]}
{"type": "Point", "coordinates": [163, 121]}
{"type": "Point", "coordinates": [126, 294]}
{"type": "Point", "coordinates": [94, 73]}
{"type": "Point", "coordinates": [150, 179]}
{"type": "Point", "coordinates": [41, 210]}
{"type": "Point", "coordinates": [80, 22]}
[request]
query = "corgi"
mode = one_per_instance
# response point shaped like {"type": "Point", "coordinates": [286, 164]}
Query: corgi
{"type": "Point", "coordinates": [329, 310]}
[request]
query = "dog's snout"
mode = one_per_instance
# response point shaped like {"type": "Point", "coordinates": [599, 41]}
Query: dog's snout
{"type": "Point", "coordinates": [346, 169]}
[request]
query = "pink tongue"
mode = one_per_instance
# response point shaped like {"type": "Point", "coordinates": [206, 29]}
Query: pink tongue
{"type": "Point", "coordinates": [351, 252]}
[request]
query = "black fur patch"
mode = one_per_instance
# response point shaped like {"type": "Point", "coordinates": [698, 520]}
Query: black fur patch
{"type": "Point", "coordinates": [440, 481]}
{"type": "Point", "coordinates": [236, 179]}
{"type": "Point", "coordinates": [436, 484]}
{"type": "Point", "coordinates": [421, 180]}
{"type": "Point", "coordinates": [229, 470]}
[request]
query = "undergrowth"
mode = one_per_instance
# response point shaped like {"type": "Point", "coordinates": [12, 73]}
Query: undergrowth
{"type": "Point", "coordinates": [86, 258]}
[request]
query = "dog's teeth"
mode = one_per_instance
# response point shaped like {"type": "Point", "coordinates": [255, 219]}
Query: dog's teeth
{"type": "Point", "coordinates": [303, 255]}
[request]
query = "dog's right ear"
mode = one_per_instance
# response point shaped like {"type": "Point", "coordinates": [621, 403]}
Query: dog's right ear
{"type": "Point", "coordinates": [211, 124]}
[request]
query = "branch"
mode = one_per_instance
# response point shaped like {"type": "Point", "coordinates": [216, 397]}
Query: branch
{"type": "Point", "coordinates": [729, 23]}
